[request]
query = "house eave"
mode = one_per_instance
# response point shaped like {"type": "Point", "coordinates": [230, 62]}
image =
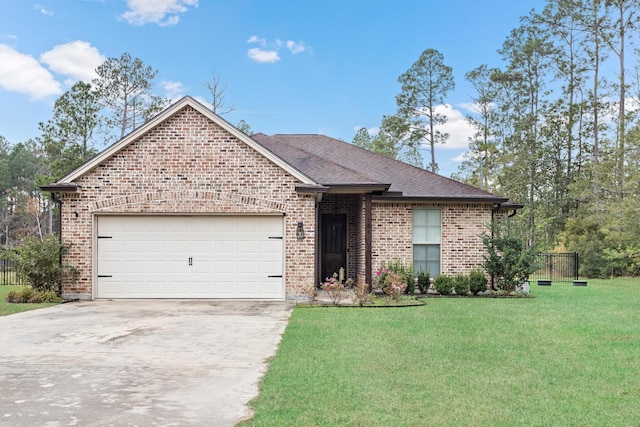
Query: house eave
{"type": "Point", "coordinates": [60, 188]}
{"type": "Point", "coordinates": [438, 199]}
{"type": "Point", "coordinates": [357, 188]}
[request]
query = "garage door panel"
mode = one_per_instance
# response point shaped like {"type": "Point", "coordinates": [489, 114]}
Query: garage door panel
{"type": "Point", "coordinates": [190, 257]}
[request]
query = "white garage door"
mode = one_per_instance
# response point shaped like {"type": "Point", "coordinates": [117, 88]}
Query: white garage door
{"type": "Point", "coordinates": [190, 257]}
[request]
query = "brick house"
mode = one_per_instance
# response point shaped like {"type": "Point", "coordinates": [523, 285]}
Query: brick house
{"type": "Point", "coordinates": [188, 206]}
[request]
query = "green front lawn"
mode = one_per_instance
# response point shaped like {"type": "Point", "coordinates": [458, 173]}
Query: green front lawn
{"type": "Point", "coordinates": [9, 308]}
{"type": "Point", "coordinates": [570, 356]}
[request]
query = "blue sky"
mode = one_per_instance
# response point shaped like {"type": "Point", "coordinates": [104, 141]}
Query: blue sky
{"type": "Point", "coordinates": [326, 67]}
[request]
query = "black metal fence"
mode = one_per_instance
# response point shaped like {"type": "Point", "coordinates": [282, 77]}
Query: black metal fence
{"type": "Point", "coordinates": [9, 274]}
{"type": "Point", "coordinates": [557, 267]}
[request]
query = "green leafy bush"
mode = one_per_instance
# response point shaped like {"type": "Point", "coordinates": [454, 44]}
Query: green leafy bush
{"type": "Point", "coordinates": [423, 282]}
{"type": "Point", "coordinates": [443, 284]}
{"type": "Point", "coordinates": [20, 296]}
{"type": "Point", "coordinates": [508, 259]}
{"type": "Point", "coordinates": [38, 261]}
{"type": "Point", "coordinates": [28, 295]}
{"type": "Point", "coordinates": [477, 281]}
{"type": "Point", "coordinates": [461, 284]}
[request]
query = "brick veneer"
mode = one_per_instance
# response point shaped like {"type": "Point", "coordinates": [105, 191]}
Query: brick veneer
{"type": "Point", "coordinates": [187, 165]}
{"type": "Point", "coordinates": [462, 226]}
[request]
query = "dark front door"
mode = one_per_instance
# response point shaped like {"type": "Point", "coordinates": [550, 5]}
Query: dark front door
{"type": "Point", "coordinates": [334, 244]}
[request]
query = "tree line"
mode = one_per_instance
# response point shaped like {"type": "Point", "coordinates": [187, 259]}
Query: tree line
{"type": "Point", "coordinates": [87, 116]}
{"type": "Point", "coordinates": [557, 128]}
{"type": "Point", "coordinates": [113, 104]}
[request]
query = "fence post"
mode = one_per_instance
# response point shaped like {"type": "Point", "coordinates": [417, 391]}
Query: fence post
{"type": "Point", "coordinates": [577, 265]}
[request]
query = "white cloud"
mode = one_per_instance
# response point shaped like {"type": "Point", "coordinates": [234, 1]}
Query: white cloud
{"type": "Point", "coordinates": [40, 8]}
{"type": "Point", "coordinates": [456, 126]}
{"type": "Point", "coordinates": [295, 47]}
{"type": "Point", "coordinates": [174, 90]}
{"type": "Point", "coordinates": [269, 52]}
{"type": "Point", "coordinates": [162, 12]}
{"type": "Point", "coordinates": [372, 131]}
{"type": "Point", "coordinates": [23, 74]}
{"type": "Point", "coordinates": [76, 59]}
{"type": "Point", "coordinates": [263, 56]}
{"type": "Point", "coordinates": [256, 39]}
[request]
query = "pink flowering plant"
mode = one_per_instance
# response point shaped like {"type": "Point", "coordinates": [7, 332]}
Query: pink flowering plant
{"type": "Point", "coordinates": [394, 285]}
{"type": "Point", "coordinates": [335, 289]}
{"type": "Point", "coordinates": [381, 274]}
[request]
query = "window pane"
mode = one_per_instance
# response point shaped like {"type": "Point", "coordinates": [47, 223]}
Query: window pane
{"type": "Point", "coordinates": [426, 226]}
{"type": "Point", "coordinates": [427, 258]}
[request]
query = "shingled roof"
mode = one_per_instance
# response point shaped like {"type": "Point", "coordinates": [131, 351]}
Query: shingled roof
{"type": "Point", "coordinates": [331, 162]}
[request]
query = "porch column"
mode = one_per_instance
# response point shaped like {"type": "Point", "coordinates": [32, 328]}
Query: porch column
{"type": "Point", "coordinates": [368, 262]}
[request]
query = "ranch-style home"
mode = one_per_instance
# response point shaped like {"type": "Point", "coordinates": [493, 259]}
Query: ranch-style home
{"type": "Point", "coordinates": [188, 206]}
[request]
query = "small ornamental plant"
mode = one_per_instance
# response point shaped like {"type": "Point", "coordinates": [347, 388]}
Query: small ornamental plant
{"type": "Point", "coordinates": [335, 289]}
{"type": "Point", "coordinates": [361, 294]}
{"type": "Point", "coordinates": [381, 275]}
{"type": "Point", "coordinates": [394, 285]}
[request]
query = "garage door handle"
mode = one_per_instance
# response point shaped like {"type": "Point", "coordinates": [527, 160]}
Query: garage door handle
{"type": "Point", "coordinates": [275, 276]}
{"type": "Point", "coordinates": [104, 275]}
{"type": "Point", "coordinates": [190, 261]}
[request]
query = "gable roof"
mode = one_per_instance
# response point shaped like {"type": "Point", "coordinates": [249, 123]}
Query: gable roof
{"type": "Point", "coordinates": [331, 162]}
{"type": "Point", "coordinates": [66, 182]}
{"type": "Point", "coordinates": [321, 163]}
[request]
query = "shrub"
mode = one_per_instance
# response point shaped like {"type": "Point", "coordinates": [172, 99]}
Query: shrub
{"type": "Point", "coordinates": [443, 284]}
{"type": "Point", "coordinates": [394, 285]}
{"type": "Point", "coordinates": [508, 259]}
{"type": "Point", "coordinates": [461, 284]}
{"type": "Point", "coordinates": [361, 294]}
{"type": "Point", "coordinates": [28, 295]}
{"type": "Point", "coordinates": [423, 282]}
{"type": "Point", "coordinates": [20, 296]}
{"type": "Point", "coordinates": [398, 267]}
{"type": "Point", "coordinates": [38, 261]}
{"type": "Point", "coordinates": [335, 289]}
{"type": "Point", "coordinates": [477, 281]}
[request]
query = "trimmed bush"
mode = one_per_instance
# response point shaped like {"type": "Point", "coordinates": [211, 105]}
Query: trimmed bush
{"type": "Point", "coordinates": [443, 284]}
{"type": "Point", "coordinates": [423, 282]}
{"type": "Point", "coordinates": [461, 284]}
{"type": "Point", "coordinates": [477, 281]}
{"type": "Point", "coordinates": [28, 295]}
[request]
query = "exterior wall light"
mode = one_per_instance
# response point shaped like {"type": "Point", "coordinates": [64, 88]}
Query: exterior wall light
{"type": "Point", "coordinates": [300, 231]}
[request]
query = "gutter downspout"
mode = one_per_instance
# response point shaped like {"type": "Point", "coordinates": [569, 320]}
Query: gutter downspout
{"type": "Point", "coordinates": [55, 197]}
{"type": "Point", "coordinates": [317, 196]}
{"type": "Point", "coordinates": [368, 248]}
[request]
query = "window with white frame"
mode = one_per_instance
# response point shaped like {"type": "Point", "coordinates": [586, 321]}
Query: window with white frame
{"type": "Point", "coordinates": [427, 233]}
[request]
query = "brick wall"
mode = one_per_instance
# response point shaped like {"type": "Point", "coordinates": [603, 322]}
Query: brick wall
{"type": "Point", "coordinates": [462, 225]}
{"type": "Point", "coordinates": [188, 165]}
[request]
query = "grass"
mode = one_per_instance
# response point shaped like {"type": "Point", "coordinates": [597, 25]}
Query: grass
{"type": "Point", "coordinates": [568, 357]}
{"type": "Point", "coordinates": [9, 308]}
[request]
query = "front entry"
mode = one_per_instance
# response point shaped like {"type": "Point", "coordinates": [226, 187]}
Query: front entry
{"type": "Point", "coordinates": [334, 244]}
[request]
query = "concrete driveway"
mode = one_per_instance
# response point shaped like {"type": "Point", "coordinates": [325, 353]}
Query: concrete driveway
{"type": "Point", "coordinates": [136, 363]}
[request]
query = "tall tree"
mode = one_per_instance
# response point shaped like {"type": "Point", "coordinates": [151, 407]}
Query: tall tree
{"type": "Point", "coordinates": [390, 141]}
{"type": "Point", "coordinates": [425, 86]}
{"type": "Point", "coordinates": [623, 20]}
{"type": "Point", "coordinates": [484, 121]}
{"type": "Point", "coordinates": [68, 139]}
{"type": "Point", "coordinates": [124, 85]}
{"type": "Point", "coordinates": [522, 90]}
